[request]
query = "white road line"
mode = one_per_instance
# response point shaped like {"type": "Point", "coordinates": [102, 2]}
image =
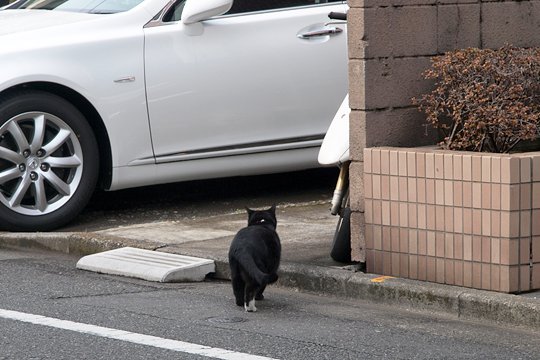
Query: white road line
{"type": "Point", "coordinates": [131, 337]}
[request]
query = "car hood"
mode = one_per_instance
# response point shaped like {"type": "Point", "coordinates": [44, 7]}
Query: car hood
{"type": "Point", "coordinates": [18, 21]}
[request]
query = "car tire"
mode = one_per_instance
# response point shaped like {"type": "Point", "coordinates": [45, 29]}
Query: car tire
{"type": "Point", "coordinates": [49, 161]}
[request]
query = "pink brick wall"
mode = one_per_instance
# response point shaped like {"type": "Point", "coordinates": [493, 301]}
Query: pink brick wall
{"type": "Point", "coordinates": [456, 218]}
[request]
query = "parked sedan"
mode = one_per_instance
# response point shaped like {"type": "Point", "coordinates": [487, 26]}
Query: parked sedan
{"type": "Point", "coordinates": [126, 93]}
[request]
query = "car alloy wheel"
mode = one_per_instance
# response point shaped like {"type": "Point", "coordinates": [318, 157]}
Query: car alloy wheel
{"type": "Point", "coordinates": [48, 162]}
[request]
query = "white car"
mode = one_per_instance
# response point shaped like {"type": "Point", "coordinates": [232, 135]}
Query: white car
{"type": "Point", "coordinates": [126, 93]}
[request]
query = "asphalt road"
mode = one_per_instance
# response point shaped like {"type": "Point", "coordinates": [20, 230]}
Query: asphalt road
{"type": "Point", "coordinates": [288, 325]}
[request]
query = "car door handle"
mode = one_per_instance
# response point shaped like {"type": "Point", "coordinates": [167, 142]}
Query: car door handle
{"type": "Point", "coordinates": [320, 31]}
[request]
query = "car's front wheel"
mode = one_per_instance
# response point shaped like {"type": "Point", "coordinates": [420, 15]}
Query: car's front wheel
{"type": "Point", "coordinates": [49, 161]}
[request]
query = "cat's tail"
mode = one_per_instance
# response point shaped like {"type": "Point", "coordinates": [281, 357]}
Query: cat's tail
{"type": "Point", "coordinates": [260, 277]}
{"type": "Point", "coordinates": [271, 278]}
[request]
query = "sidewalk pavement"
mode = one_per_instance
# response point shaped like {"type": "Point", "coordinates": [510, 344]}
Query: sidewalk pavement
{"type": "Point", "coordinates": [306, 232]}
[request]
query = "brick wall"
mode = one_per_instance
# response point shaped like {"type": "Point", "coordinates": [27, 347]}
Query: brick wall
{"type": "Point", "coordinates": [454, 217]}
{"type": "Point", "coordinates": [390, 45]}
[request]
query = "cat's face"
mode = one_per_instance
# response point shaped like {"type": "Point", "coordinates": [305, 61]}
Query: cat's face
{"type": "Point", "coordinates": [262, 217]}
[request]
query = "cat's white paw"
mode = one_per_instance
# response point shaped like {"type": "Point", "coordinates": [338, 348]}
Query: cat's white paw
{"type": "Point", "coordinates": [250, 307]}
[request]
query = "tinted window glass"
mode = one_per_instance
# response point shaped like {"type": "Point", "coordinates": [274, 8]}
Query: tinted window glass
{"type": "Point", "coordinates": [175, 12]}
{"type": "Point", "coordinates": [242, 6]}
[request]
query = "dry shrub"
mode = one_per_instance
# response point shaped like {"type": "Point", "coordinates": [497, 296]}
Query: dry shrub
{"type": "Point", "coordinates": [484, 100]}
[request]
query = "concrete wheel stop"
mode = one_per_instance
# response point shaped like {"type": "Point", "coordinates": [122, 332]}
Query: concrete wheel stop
{"type": "Point", "coordinates": [148, 265]}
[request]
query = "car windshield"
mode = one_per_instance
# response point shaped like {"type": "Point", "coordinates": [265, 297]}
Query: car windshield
{"type": "Point", "coordinates": [85, 6]}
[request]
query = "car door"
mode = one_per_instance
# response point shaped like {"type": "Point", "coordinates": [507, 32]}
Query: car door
{"type": "Point", "coordinates": [244, 82]}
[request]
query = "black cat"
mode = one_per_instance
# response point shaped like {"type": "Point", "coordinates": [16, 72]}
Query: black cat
{"type": "Point", "coordinates": [254, 257]}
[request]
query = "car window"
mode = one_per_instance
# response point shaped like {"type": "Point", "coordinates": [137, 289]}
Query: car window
{"type": "Point", "coordinates": [242, 6]}
{"type": "Point", "coordinates": [175, 12]}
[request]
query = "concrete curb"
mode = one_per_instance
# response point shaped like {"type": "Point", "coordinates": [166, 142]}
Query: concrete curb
{"type": "Point", "coordinates": [416, 295]}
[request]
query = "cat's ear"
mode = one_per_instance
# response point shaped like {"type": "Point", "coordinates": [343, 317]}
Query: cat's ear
{"type": "Point", "coordinates": [273, 208]}
{"type": "Point", "coordinates": [249, 211]}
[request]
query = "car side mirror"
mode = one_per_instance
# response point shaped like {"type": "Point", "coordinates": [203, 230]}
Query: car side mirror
{"type": "Point", "coordinates": [199, 10]}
